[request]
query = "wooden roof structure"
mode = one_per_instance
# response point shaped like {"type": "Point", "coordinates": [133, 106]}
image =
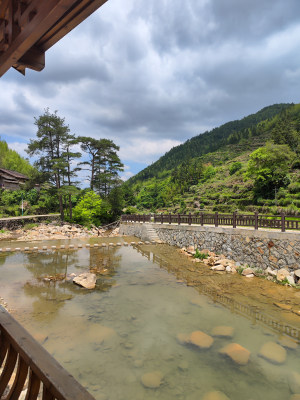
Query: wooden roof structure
{"type": "Point", "coordinates": [28, 28]}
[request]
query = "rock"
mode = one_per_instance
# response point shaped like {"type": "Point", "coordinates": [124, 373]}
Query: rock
{"type": "Point", "coordinates": [228, 268]}
{"type": "Point", "coordinates": [138, 363]}
{"type": "Point", "coordinates": [271, 272]}
{"type": "Point", "coordinates": [224, 261]}
{"type": "Point", "coordinates": [285, 307]}
{"type": "Point", "coordinates": [183, 365]}
{"type": "Point", "coordinates": [201, 340]}
{"type": "Point", "coordinates": [295, 397]}
{"type": "Point", "coordinates": [247, 271]}
{"type": "Point", "coordinates": [152, 380]}
{"type": "Point", "coordinates": [210, 261]}
{"type": "Point", "coordinates": [100, 333]}
{"type": "Point", "coordinates": [86, 280]}
{"type": "Point", "coordinates": [216, 395]}
{"type": "Point", "coordinates": [223, 331]}
{"type": "Point", "coordinates": [282, 274]}
{"type": "Point", "coordinates": [183, 338]}
{"type": "Point", "coordinates": [237, 353]}
{"type": "Point", "coordinates": [218, 268]}
{"type": "Point", "coordinates": [290, 280]}
{"type": "Point", "coordinates": [273, 353]}
{"type": "Point", "coordinates": [297, 273]}
{"type": "Point", "coordinates": [288, 343]}
{"type": "Point", "coordinates": [294, 382]}
{"type": "Point", "coordinates": [249, 276]}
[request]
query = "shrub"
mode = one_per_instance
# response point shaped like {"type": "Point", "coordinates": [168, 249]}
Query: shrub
{"type": "Point", "coordinates": [236, 166]}
{"type": "Point", "coordinates": [200, 255]}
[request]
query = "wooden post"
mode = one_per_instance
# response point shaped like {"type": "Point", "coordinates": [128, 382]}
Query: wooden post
{"type": "Point", "coordinates": [282, 222]}
{"type": "Point", "coordinates": [170, 218]}
{"type": "Point", "coordinates": [190, 219]}
{"type": "Point", "coordinates": [234, 220]}
{"type": "Point", "coordinates": [256, 220]}
{"type": "Point", "coordinates": [178, 219]}
{"type": "Point", "coordinates": [216, 219]}
{"type": "Point", "coordinates": [202, 219]}
{"type": "Point", "coordinates": [161, 218]}
{"type": "Point", "coordinates": [144, 218]}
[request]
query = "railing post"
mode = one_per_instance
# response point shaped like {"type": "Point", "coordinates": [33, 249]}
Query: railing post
{"type": "Point", "coordinates": [216, 219]}
{"type": "Point", "coordinates": [256, 220]}
{"type": "Point", "coordinates": [190, 219]}
{"type": "Point", "coordinates": [234, 219]}
{"type": "Point", "coordinates": [178, 219]}
{"type": "Point", "coordinates": [282, 222]}
{"type": "Point", "coordinates": [202, 219]}
{"type": "Point", "coordinates": [144, 218]}
{"type": "Point", "coordinates": [170, 218]}
{"type": "Point", "coordinates": [161, 218]}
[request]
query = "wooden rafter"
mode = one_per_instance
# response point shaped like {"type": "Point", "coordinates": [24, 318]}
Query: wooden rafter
{"type": "Point", "coordinates": [30, 27]}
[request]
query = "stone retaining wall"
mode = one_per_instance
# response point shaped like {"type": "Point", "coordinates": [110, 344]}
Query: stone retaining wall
{"type": "Point", "coordinates": [19, 222]}
{"type": "Point", "coordinates": [257, 248]}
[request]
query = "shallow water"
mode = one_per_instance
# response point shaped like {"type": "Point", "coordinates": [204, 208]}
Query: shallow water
{"type": "Point", "coordinates": [110, 337]}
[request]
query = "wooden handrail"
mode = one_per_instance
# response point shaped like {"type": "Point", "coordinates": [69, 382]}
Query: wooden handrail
{"type": "Point", "coordinates": [18, 349]}
{"type": "Point", "coordinates": [234, 220]}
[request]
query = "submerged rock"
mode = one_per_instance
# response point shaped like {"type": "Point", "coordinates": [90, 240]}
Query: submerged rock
{"type": "Point", "coordinates": [294, 382]}
{"type": "Point", "coordinates": [288, 343]}
{"type": "Point", "coordinates": [273, 353]}
{"type": "Point", "coordinates": [223, 331]}
{"type": "Point", "coordinates": [215, 395]}
{"type": "Point", "coordinates": [183, 338]}
{"type": "Point", "coordinates": [86, 280]}
{"type": "Point", "coordinates": [152, 380]}
{"type": "Point", "coordinates": [237, 353]}
{"type": "Point", "coordinates": [201, 340]}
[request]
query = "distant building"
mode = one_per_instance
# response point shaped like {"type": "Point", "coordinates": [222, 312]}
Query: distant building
{"type": "Point", "coordinates": [11, 180]}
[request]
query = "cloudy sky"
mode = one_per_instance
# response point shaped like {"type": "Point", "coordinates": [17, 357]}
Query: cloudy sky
{"type": "Point", "coordinates": [150, 74]}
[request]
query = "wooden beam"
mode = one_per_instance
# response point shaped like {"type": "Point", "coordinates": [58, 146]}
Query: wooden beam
{"type": "Point", "coordinates": [34, 59]}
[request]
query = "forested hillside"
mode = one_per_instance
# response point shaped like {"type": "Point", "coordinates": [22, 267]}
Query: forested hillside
{"type": "Point", "coordinates": [251, 164]}
{"type": "Point", "coordinates": [10, 159]}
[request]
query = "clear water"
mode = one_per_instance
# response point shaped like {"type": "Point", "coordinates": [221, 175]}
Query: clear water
{"type": "Point", "coordinates": [110, 337]}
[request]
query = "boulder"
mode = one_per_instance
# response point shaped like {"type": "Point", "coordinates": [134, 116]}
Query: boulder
{"type": "Point", "coordinates": [282, 274]}
{"type": "Point", "coordinates": [247, 271]}
{"type": "Point", "coordinates": [237, 353]}
{"type": "Point", "coordinates": [273, 353]}
{"type": "Point", "coordinates": [294, 382]}
{"type": "Point", "coordinates": [86, 280]}
{"type": "Point", "coordinates": [218, 268]}
{"type": "Point", "coordinates": [297, 273]}
{"type": "Point", "coordinates": [288, 343]}
{"type": "Point", "coordinates": [201, 340]}
{"type": "Point", "coordinates": [183, 338]}
{"type": "Point", "coordinates": [223, 331]}
{"type": "Point", "coordinates": [271, 272]}
{"type": "Point", "coordinates": [152, 380]}
{"type": "Point", "coordinates": [215, 395]}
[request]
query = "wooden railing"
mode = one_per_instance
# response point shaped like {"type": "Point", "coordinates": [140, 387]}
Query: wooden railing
{"type": "Point", "coordinates": [28, 368]}
{"type": "Point", "coordinates": [256, 221]}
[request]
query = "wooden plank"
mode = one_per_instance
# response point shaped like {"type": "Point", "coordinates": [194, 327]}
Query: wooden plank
{"type": "Point", "coordinates": [79, 13]}
{"type": "Point", "coordinates": [9, 367]}
{"type": "Point", "coordinates": [55, 378]}
{"type": "Point", "coordinates": [20, 379]}
{"type": "Point", "coordinates": [33, 387]}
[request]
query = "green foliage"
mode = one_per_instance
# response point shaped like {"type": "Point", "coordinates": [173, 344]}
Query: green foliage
{"type": "Point", "coordinates": [11, 160]}
{"type": "Point", "coordinates": [236, 166]}
{"type": "Point", "coordinates": [269, 166]}
{"type": "Point", "coordinates": [91, 210]}
{"type": "Point", "coordinates": [200, 255]}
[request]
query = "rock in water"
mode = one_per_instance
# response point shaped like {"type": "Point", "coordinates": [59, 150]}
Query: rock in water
{"type": "Point", "coordinates": [86, 280]}
{"type": "Point", "coordinates": [294, 383]}
{"type": "Point", "coordinates": [237, 353]}
{"type": "Point", "coordinates": [201, 340]}
{"type": "Point", "coordinates": [273, 353]}
{"type": "Point", "coordinates": [152, 380]}
{"type": "Point", "coordinates": [183, 338]}
{"type": "Point", "coordinates": [216, 395]}
{"type": "Point", "coordinates": [223, 331]}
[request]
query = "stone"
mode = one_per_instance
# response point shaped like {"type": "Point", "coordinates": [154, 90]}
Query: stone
{"type": "Point", "coordinates": [237, 353]}
{"type": "Point", "coordinates": [271, 272]}
{"type": "Point", "coordinates": [290, 280]}
{"type": "Point", "coordinates": [183, 366]}
{"type": "Point", "coordinates": [86, 280]}
{"type": "Point", "coordinates": [247, 271]}
{"type": "Point", "coordinates": [250, 276]}
{"type": "Point", "coordinates": [294, 382]}
{"type": "Point", "coordinates": [223, 331]}
{"type": "Point", "coordinates": [295, 397]}
{"type": "Point", "coordinates": [152, 380]}
{"type": "Point", "coordinates": [288, 343]}
{"type": "Point", "coordinates": [273, 353]}
{"type": "Point", "coordinates": [228, 268]}
{"type": "Point", "coordinates": [285, 307]}
{"type": "Point", "coordinates": [282, 274]}
{"type": "Point", "coordinates": [183, 338]}
{"type": "Point", "coordinates": [215, 395]}
{"type": "Point", "coordinates": [218, 268]}
{"type": "Point", "coordinates": [201, 340]}
{"type": "Point", "coordinates": [297, 273]}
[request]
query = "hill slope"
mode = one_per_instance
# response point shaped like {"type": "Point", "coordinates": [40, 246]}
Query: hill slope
{"type": "Point", "coordinates": [209, 170]}
{"type": "Point", "coordinates": [10, 159]}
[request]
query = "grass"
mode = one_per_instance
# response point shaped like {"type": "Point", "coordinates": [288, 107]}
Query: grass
{"type": "Point", "coordinates": [200, 255]}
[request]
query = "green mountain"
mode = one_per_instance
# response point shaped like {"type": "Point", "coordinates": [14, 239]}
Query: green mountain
{"type": "Point", "coordinates": [10, 159]}
{"type": "Point", "coordinates": [211, 170]}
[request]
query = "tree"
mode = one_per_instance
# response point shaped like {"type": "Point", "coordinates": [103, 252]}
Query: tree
{"type": "Point", "coordinates": [269, 166]}
{"type": "Point", "coordinates": [91, 209]}
{"type": "Point", "coordinates": [52, 146]}
{"type": "Point", "coordinates": [104, 163]}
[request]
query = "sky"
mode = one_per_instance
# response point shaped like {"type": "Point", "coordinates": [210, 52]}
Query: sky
{"type": "Point", "coordinates": [151, 74]}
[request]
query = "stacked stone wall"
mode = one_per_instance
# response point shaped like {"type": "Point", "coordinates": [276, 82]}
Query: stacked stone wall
{"type": "Point", "coordinates": [260, 248]}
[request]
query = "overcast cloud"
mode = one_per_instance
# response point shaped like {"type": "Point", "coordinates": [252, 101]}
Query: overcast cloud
{"type": "Point", "coordinates": [151, 74]}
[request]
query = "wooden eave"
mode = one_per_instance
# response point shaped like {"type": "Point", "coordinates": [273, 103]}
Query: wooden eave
{"type": "Point", "coordinates": [28, 28]}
